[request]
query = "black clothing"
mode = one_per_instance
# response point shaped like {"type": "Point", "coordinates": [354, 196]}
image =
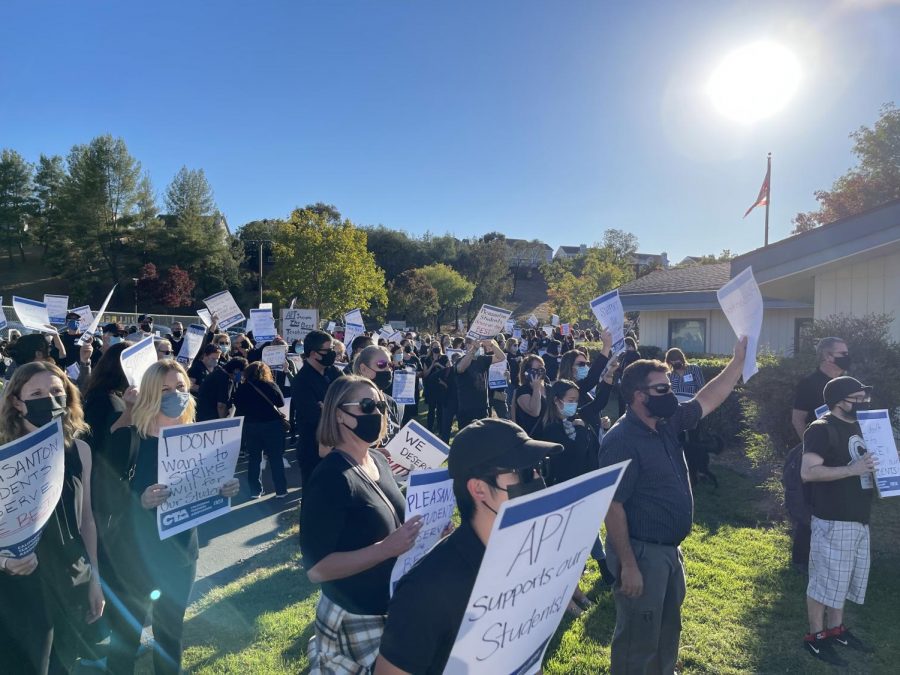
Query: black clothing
{"type": "Point", "coordinates": [843, 499]}
{"type": "Point", "coordinates": [654, 491]}
{"type": "Point", "coordinates": [343, 512]}
{"type": "Point", "coordinates": [254, 406]}
{"type": "Point", "coordinates": [579, 455]}
{"type": "Point", "coordinates": [265, 437]}
{"type": "Point", "coordinates": [591, 406]}
{"type": "Point", "coordinates": [198, 371]}
{"type": "Point", "coordinates": [551, 364]}
{"type": "Point", "coordinates": [217, 387]}
{"type": "Point", "coordinates": [529, 423]}
{"type": "Point", "coordinates": [307, 392]}
{"type": "Point", "coordinates": [810, 394]}
{"type": "Point", "coordinates": [419, 636]}
{"type": "Point", "coordinates": [472, 389]}
{"type": "Point", "coordinates": [176, 345]}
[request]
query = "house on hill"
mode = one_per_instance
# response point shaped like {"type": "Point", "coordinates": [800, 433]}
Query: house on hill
{"type": "Point", "coordinates": [524, 253]}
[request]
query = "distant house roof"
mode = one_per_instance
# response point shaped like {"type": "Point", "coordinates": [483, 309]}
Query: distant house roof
{"type": "Point", "coordinates": [539, 244]}
{"type": "Point", "coordinates": [570, 249]}
{"type": "Point", "coordinates": [697, 278]}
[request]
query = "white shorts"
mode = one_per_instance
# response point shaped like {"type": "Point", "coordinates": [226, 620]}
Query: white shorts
{"type": "Point", "coordinates": [838, 562]}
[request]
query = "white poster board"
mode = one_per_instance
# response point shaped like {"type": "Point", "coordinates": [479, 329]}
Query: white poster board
{"type": "Point", "coordinates": [351, 332]}
{"type": "Point", "coordinates": [742, 304]}
{"type": "Point", "coordinates": [554, 319]}
{"type": "Point", "coordinates": [205, 317]}
{"type": "Point", "coordinates": [137, 359]}
{"type": "Point", "coordinates": [429, 493]}
{"type": "Point", "coordinates": [532, 321]}
{"type": "Point", "coordinates": [274, 356]}
{"type": "Point", "coordinates": [414, 447]}
{"type": "Point", "coordinates": [88, 334]}
{"type": "Point", "coordinates": [879, 437]}
{"type": "Point", "coordinates": [296, 323]}
{"type": "Point", "coordinates": [404, 387]}
{"type": "Point", "coordinates": [534, 558]}
{"type": "Point", "coordinates": [497, 375]}
{"type": "Point", "coordinates": [190, 347]}
{"type": "Point", "coordinates": [32, 314]}
{"type": "Point", "coordinates": [331, 326]}
{"type": "Point", "coordinates": [194, 460]}
{"type": "Point", "coordinates": [459, 353]}
{"type": "Point", "coordinates": [57, 308]}
{"type": "Point", "coordinates": [517, 333]}
{"type": "Point", "coordinates": [262, 323]}
{"type": "Point", "coordinates": [32, 471]}
{"type": "Point", "coordinates": [489, 323]}
{"type": "Point", "coordinates": [355, 317]}
{"type": "Point", "coordinates": [223, 305]}
{"type": "Point", "coordinates": [611, 315]}
{"type": "Point", "coordinates": [85, 317]}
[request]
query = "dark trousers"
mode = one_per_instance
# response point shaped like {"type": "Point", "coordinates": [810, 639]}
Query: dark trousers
{"type": "Point", "coordinates": [447, 423]}
{"type": "Point", "coordinates": [410, 410]}
{"type": "Point", "coordinates": [265, 437]}
{"type": "Point", "coordinates": [500, 407]}
{"type": "Point", "coordinates": [26, 630]}
{"type": "Point", "coordinates": [127, 602]}
{"type": "Point", "coordinates": [435, 417]}
{"type": "Point", "coordinates": [800, 544]}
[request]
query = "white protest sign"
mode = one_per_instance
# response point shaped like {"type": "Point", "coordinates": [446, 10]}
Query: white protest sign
{"type": "Point", "coordinates": [223, 305]}
{"type": "Point", "coordinates": [351, 332]}
{"type": "Point", "coordinates": [742, 304]}
{"type": "Point", "coordinates": [532, 321]}
{"type": "Point", "coordinates": [510, 324]}
{"type": "Point", "coordinates": [85, 317]}
{"type": "Point", "coordinates": [414, 447]}
{"type": "Point", "coordinates": [137, 359]}
{"type": "Point", "coordinates": [497, 375]}
{"type": "Point", "coordinates": [73, 372]}
{"type": "Point", "coordinates": [205, 317]}
{"type": "Point", "coordinates": [355, 317]}
{"type": "Point", "coordinates": [548, 330]}
{"type": "Point", "coordinates": [193, 340]}
{"type": "Point", "coordinates": [489, 322]}
{"type": "Point", "coordinates": [331, 326]}
{"type": "Point", "coordinates": [523, 346]}
{"type": "Point", "coordinates": [88, 334]}
{"type": "Point", "coordinates": [554, 319]}
{"type": "Point", "coordinates": [32, 314]}
{"type": "Point", "coordinates": [609, 312]}
{"type": "Point", "coordinates": [57, 308]}
{"type": "Point", "coordinates": [297, 360]}
{"type": "Point", "coordinates": [274, 356]}
{"type": "Point", "coordinates": [879, 437]}
{"type": "Point", "coordinates": [3, 322]}
{"type": "Point", "coordinates": [296, 323]}
{"type": "Point", "coordinates": [534, 558]}
{"type": "Point", "coordinates": [262, 323]}
{"type": "Point", "coordinates": [194, 461]}
{"type": "Point", "coordinates": [459, 353]}
{"type": "Point", "coordinates": [32, 471]}
{"type": "Point", "coordinates": [565, 329]}
{"type": "Point", "coordinates": [404, 387]}
{"type": "Point", "coordinates": [266, 305]}
{"type": "Point", "coordinates": [517, 333]}
{"type": "Point", "coordinates": [429, 493]}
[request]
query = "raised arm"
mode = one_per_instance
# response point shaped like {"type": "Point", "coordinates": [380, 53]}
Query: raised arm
{"type": "Point", "coordinates": [718, 388]}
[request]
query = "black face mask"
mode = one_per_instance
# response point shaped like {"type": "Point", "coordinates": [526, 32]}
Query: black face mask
{"type": "Point", "coordinates": [146, 327]}
{"type": "Point", "coordinates": [383, 379]}
{"type": "Point", "coordinates": [662, 406]}
{"type": "Point", "coordinates": [678, 365]}
{"type": "Point", "coordinates": [41, 411]}
{"type": "Point", "coordinates": [176, 334]}
{"type": "Point", "coordinates": [857, 406]}
{"type": "Point", "coordinates": [843, 362]}
{"type": "Point", "coordinates": [327, 359]}
{"type": "Point", "coordinates": [368, 427]}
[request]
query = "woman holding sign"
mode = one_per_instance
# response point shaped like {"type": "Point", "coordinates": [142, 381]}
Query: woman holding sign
{"type": "Point", "coordinates": [46, 597]}
{"type": "Point", "coordinates": [144, 570]}
{"type": "Point", "coordinates": [351, 529]}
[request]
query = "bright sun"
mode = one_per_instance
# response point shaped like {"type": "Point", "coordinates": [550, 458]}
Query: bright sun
{"type": "Point", "coordinates": [754, 82]}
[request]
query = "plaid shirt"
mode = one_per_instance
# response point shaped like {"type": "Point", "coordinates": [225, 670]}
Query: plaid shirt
{"type": "Point", "coordinates": [344, 643]}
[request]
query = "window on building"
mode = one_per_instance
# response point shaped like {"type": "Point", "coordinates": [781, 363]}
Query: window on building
{"type": "Point", "coordinates": [803, 336]}
{"type": "Point", "coordinates": [689, 335]}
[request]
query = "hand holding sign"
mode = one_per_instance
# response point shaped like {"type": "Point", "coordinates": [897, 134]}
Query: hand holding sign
{"type": "Point", "coordinates": [137, 359]}
{"type": "Point", "coordinates": [742, 304]}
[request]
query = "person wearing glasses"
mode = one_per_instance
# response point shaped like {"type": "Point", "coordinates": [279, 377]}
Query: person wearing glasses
{"type": "Point", "coordinates": [352, 529]}
{"type": "Point", "coordinates": [163, 349]}
{"type": "Point", "coordinates": [530, 399]}
{"type": "Point", "coordinates": [652, 510]}
{"type": "Point", "coordinates": [591, 377]}
{"type": "Point", "coordinates": [223, 343]}
{"type": "Point", "coordinates": [374, 364]}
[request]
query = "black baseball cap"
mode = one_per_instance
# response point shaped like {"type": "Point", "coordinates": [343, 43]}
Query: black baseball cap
{"type": "Point", "coordinates": [145, 318]}
{"type": "Point", "coordinates": [494, 445]}
{"type": "Point", "coordinates": [116, 329]}
{"type": "Point", "coordinates": [841, 387]}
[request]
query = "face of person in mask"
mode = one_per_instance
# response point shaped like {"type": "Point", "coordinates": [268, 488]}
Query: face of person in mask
{"type": "Point", "coordinates": [146, 326]}
{"type": "Point", "coordinates": [175, 396]}
{"type": "Point", "coordinates": [42, 399]}
{"type": "Point", "coordinates": [210, 360]}
{"type": "Point", "coordinates": [363, 414]}
{"type": "Point", "coordinates": [177, 330]}
{"type": "Point", "coordinates": [656, 398]}
{"type": "Point", "coordinates": [840, 356]}
{"type": "Point", "coordinates": [379, 371]}
{"type": "Point", "coordinates": [853, 404]}
{"type": "Point", "coordinates": [223, 344]}
{"type": "Point", "coordinates": [325, 355]}
{"type": "Point", "coordinates": [491, 492]}
{"type": "Point", "coordinates": [568, 404]}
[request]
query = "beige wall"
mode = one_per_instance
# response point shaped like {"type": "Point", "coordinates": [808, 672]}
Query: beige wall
{"type": "Point", "coordinates": [777, 330]}
{"type": "Point", "coordinates": [871, 287]}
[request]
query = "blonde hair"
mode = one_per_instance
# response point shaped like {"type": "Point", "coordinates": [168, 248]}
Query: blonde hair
{"type": "Point", "coordinates": [367, 355]}
{"type": "Point", "coordinates": [149, 399]}
{"type": "Point", "coordinates": [12, 423]}
{"type": "Point", "coordinates": [344, 390]}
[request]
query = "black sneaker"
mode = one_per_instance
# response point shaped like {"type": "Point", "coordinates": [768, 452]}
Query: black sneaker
{"type": "Point", "coordinates": [850, 641]}
{"type": "Point", "coordinates": [822, 649]}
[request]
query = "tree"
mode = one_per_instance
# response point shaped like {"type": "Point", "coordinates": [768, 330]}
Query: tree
{"type": "Point", "coordinates": [572, 284]}
{"type": "Point", "coordinates": [874, 181]}
{"type": "Point", "coordinates": [453, 289]}
{"type": "Point", "coordinates": [17, 203]}
{"type": "Point", "coordinates": [148, 286]}
{"type": "Point", "coordinates": [413, 297]}
{"type": "Point", "coordinates": [484, 262]}
{"type": "Point", "coordinates": [48, 185]}
{"type": "Point", "coordinates": [177, 289]}
{"type": "Point", "coordinates": [711, 259]}
{"type": "Point", "coordinates": [621, 245]}
{"type": "Point", "coordinates": [394, 250]}
{"type": "Point", "coordinates": [324, 264]}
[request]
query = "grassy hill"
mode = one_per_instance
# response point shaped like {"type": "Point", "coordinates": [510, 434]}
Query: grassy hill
{"type": "Point", "coordinates": [30, 279]}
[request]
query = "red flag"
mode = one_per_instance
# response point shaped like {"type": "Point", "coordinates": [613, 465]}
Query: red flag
{"type": "Point", "coordinates": [763, 197]}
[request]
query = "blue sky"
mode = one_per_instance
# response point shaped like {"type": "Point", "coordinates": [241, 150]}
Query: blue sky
{"type": "Point", "coordinates": [550, 120]}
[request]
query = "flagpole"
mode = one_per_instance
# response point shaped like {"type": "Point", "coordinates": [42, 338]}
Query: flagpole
{"type": "Point", "coordinates": [768, 194]}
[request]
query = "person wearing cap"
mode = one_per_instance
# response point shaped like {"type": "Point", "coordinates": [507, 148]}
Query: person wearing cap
{"type": "Point", "coordinates": [145, 325]}
{"type": "Point", "coordinates": [490, 461]}
{"type": "Point", "coordinates": [839, 472]}
{"type": "Point", "coordinates": [652, 510]}
{"type": "Point", "coordinates": [113, 333]}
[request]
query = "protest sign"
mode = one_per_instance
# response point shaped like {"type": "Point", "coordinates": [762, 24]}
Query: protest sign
{"type": "Point", "coordinates": [534, 558]}
{"type": "Point", "coordinates": [548, 331]}
{"type": "Point", "coordinates": [414, 447]}
{"type": "Point", "coordinates": [205, 317]}
{"type": "Point", "coordinates": [296, 323]}
{"type": "Point", "coordinates": [88, 334]}
{"type": "Point", "coordinates": [821, 410]}
{"type": "Point", "coordinates": [274, 356]}
{"type": "Point", "coordinates": [3, 322]}
{"type": "Point", "coordinates": [355, 317]}
{"type": "Point", "coordinates": [32, 471]}
{"type": "Point", "coordinates": [565, 329]}
{"type": "Point", "coordinates": [266, 305]}
{"type": "Point", "coordinates": [489, 322]}
{"type": "Point", "coordinates": [193, 340]}
{"type": "Point", "coordinates": [510, 324]}
{"type": "Point", "coordinates": [459, 353]}
{"type": "Point", "coordinates": [517, 333]}
{"type": "Point", "coordinates": [554, 319]}
{"type": "Point", "coordinates": [262, 323]}
{"type": "Point", "coordinates": [137, 359]}
{"type": "Point", "coordinates": [57, 308]}
{"type": "Point", "coordinates": [351, 332]}
{"type": "Point", "coordinates": [222, 304]}
{"type": "Point", "coordinates": [742, 304]}
{"type": "Point", "coordinates": [404, 387]}
{"type": "Point", "coordinates": [609, 312]}
{"type": "Point", "coordinates": [32, 314]}
{"type": "Point", "coordinates": [297, 360]}
{"type": "Point", "coordinates": [523, 346]}
{"type": "Point", "coordinates": [429, 493]}
{"type": "Point", "coordinates": [532, 321]}
{"type": "Point", "coordinates": [331, 326]}
{"type": "Point", "coordinates": [497, 375]}
{"type": "Point", "coordinates": [73, 371]}
{"type": "Point", "coordinates": [194, 461]}
{"type": "Point", "coordinates": [85, 317]}
{"type": "Point", "coordinates": [879, 437]}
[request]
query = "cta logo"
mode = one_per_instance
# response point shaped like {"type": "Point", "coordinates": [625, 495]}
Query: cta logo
{"type": "Point", "coordinates": [174, 517]}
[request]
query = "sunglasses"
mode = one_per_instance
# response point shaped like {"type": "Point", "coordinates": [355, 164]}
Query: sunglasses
{"type": "Point", "coordinates": [537, 371]}
{"type": "Point", "coordinates": [659, 388]}
{"type": "Point", "coordinates": [162, 353]}
{"type": "Point", "coordinates": [367, 405]}
{"type": "Point", "coordinates": [380, 364]}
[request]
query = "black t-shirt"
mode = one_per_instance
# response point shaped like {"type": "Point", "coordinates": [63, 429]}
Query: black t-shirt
{"type": "Point", "coordinates": [422, 625]}
{"type": "Point", "coordinates": [258, 406]}
{"type": "Point", "coordinates": [343, 512]}
{"type": "Point", "coordinates": [844, 499]}
{"type": "Point", "coordinates": [217, 388]}
{"type": "Point", "coordinates": [810, 394]}
{"type": "Point", "coordinates": [198, 371]}
{"type": "Point", "coordinates": [528, 422]}
{"type": "Point", "coordinates": [471, 386]}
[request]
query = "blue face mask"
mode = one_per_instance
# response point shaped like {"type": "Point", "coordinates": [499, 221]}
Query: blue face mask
{"type": "Point", "coordinates": [72, 325]}
{"type": "Point", "coordinates": [581, 372]}
{"type": "Point", "coordinates": [173, 403]}
{"type": "Point", "coordinates": [298, 349]}
{"type": "Point", "coordinates": [114, 340]}
{"type": "Point", "coordinates": [569, 409]}
{"type": "Point", "coordinates": [237, 377]}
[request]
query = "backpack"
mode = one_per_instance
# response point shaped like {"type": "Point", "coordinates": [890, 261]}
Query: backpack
{"type": "Point", "coordinates": [797, 494]}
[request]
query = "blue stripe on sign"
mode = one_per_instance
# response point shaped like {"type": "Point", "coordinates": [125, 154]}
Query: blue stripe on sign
{"type": "Point", "coordinates": [871, 414]}
{"type": "Point", "coordinates": [603, 298]}
{"type": "Point", "coordinates": [428, 478]}
{"type": "Point", "coordinates": [39, 436]}
{"type": "Point", "coordinates": [532, 659]}
{"type": "Point", "coordinates": [200, 427]}
{"type": "Point", "coordinates": [558, 500]}
{"type": "Point", "coordinates": [219, 294]}
{"type": "Point", "coordinates": [26, 301]}
{"type": "Point", "coordinates": [495, 309]}
{"type": "Point", "coordinates": [428, 436]}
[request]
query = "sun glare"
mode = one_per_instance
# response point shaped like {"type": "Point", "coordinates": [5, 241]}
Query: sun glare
{"type": "Point", "coordinates": [754, 82]}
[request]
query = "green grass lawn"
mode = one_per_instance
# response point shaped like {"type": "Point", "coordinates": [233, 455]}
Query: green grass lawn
{"type": "Point", "coordinates": [744, 613]}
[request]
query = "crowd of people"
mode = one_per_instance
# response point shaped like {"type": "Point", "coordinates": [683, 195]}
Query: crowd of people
{"type": "Point", "coordinates": [540, 422]}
